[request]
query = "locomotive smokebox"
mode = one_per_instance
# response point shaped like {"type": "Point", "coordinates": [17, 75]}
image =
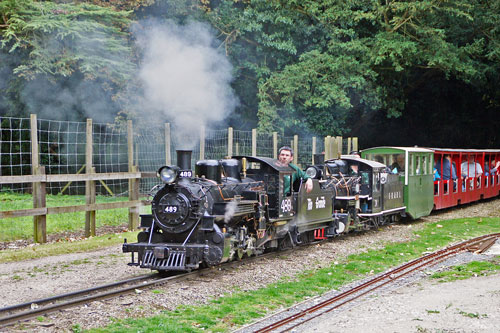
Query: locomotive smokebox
{"type": "Point", "coordinates": [184, 159]}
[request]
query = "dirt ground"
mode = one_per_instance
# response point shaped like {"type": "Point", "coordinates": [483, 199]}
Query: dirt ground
{"type": "Point", "coordinates": [33, 279]}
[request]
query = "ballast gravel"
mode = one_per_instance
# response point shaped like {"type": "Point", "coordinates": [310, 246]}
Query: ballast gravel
{"type": "Point", "coordinates": [35, 279]}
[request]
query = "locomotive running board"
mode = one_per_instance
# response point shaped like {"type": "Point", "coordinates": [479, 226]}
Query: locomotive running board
{"type": "Point", "coordinates": [394, 210]}
{"type": "Point", "coordinates": [176, 261]}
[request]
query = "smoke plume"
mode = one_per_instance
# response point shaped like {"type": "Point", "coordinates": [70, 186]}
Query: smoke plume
{"type": "Point", "coordinates": [185, 77]}
{"type": "Point", "coordinates": [230, 210]}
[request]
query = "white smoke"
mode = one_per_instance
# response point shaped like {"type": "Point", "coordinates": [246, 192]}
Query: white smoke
{"type": "Point", "coordinates": [230, 210]}
{"type": "Point", "coordinates": [185, 77]}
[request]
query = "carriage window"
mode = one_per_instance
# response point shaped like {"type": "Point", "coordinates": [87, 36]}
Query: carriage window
{"type": "Point", "coordinates": [376, 181]}
{"type": "Point", "coordinates": [396, 163]}
{"type": "Point", "coordinates": [424, 165]}
{"type": "Point", "coordinates": [365, 178]}
{"type": "Point", "coordinates": [418, 165]}
{"type": "Point", "coordinates": [411, 165]}
{"type": "Point", "coordinates": [379, 158]}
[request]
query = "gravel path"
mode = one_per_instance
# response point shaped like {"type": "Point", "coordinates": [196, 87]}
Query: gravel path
{"type": "Point", "coordinates": [24, 281]}
{"type": "Point", "coordinates": [470, 305]}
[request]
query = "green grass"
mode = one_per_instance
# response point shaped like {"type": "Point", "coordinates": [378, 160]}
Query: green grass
{"type": "Point", "coordinates": [228, 312]}
{"type": "Point", "coordinates": [472, 314]}
{"type": "Point", "coordinates": [64, 247]}
{"type": "Point", "coordinates": [468, 270]}
{"type": "Point", "coordinates": [22, 227]}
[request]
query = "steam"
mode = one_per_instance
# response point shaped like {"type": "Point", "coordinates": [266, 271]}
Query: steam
{"type": "Point", "coordinates": [230, 210]}
{"type": "Point", "coordinates": [185, 77]}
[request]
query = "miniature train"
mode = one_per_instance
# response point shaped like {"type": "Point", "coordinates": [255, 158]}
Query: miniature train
{"type": "Point", "coordinates": [232, 208]}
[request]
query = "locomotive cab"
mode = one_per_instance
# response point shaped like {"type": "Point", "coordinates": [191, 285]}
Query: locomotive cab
{"type": "Point", "coordinates": [272, 173]}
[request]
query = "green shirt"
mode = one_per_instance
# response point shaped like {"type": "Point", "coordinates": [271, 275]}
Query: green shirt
{"type": "Point", "coordinates": [298, 174]}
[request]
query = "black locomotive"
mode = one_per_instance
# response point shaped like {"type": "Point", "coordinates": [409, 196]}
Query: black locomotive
{"type": "Point", "coordinates": [231, 208]}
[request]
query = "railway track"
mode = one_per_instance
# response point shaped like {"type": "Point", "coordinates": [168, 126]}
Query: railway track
{"type": "Point", "coordinates": [476, 245]}
{"type": "Point", "coordinates": [27, 310]}
{"type": "Point", "coordinates": [11, 314]}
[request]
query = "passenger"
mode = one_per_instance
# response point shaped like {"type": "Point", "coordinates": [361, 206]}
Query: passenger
{"type": "Point", "coordinates": [353, 170]}
{"type": "Point", "coordinates": [448, 166]}
{"type": "Point", "coordinates": [493, 169]}
{"type": "Point", "coordinates": [437, 176]}
{"type": "Point", "coordinates": [285, 157]}
{"type": "Point", "coordinates": [355, 154]}
{"type": "Point", "coordinates": [395, 167]}
{"type": "Point", "coordinates": [470, 168]}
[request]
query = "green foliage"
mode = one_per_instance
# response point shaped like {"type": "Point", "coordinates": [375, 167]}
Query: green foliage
{"type": "Point", "coordinates": [70, 52]}
{"type": "Point", "coordinates": [59, 39]}
{"type": "Point", "coordinates": [314, 63]}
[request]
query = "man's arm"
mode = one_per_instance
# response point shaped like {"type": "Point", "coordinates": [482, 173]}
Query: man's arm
{"type": "Point", "coordinates": [309, 183]}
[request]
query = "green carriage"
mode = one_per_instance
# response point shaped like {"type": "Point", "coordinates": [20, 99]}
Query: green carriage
{"type": "Point", "coordinates": [415, 169]}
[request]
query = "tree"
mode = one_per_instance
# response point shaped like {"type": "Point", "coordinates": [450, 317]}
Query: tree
{"type": "Point", "coordinates": [325, 64]}
{"type": "Point", "coordinates": [62, 47]}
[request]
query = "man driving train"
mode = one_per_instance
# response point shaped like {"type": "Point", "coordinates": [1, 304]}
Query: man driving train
{"type": "Point", "coordinates": [285, 157]}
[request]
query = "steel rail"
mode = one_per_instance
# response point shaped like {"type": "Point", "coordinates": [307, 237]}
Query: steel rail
{"type": "Point", "coordinates": [389, 276]}
{"type": "Point", "coordinates": [15, 317]}
{"type": "Point", "coordinates": [4, 321]}
{"type": "Point", "coordinates": [74, 293]}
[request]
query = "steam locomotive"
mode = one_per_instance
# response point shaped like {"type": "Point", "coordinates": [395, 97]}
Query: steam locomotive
{"type": "Point", "coordinates": [232, 208]}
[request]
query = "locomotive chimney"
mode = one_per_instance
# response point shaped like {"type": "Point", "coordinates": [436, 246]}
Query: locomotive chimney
{"type": "Point", "coordinates": [319, 158]}
{"type": "Point", "coordinates": [184, 159]}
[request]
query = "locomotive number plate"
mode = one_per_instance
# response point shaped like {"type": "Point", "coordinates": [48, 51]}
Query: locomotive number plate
{"type": "Point", "coordinates": [171, 209]}
{"type": "Point", "coordinates": [186, 173]}
{"type": "Point", "coordinates": [286, 205]}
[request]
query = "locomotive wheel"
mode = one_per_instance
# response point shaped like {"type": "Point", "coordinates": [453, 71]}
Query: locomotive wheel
{"type": "Point", "coordinates": [214, 256]}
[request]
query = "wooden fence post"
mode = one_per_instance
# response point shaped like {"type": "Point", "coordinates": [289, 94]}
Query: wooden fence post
{"type": "Point", "coordinates": [202, 143]}
{"type": "Point", "coordinates": [313, 149]}
{"type": "Point", "coordinates": [355, 144]}
{"type": "Point", "coordinates": [334, 147]}
{"type": "Point", "coordinates": [339, 146]}
{"type": "Point", "coordinates": [348, 145]}
{"type": "Point", "coordinates": [133, 184]}
{"type": "Point", "coordinates": [39, 193]}
{"type": "Point", "coordinates": [89, 184]}
{"type": "Point", "coordinates": [254, 142]}
{"type": "Point", "coordinates": [168, 157]}
{"type": "Point", "coordinates": [275, 145]}
{"type": "Point", "coordinates": [328, 148]}
{"type": "Point", "coordinates": [230, 142]}
{"type": "Point", "coordinates": [295, 149]}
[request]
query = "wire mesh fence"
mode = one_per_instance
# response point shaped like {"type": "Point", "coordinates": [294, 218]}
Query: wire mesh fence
{"type": "Point", "coordinates": [62, 150]}
{"type": "Point", "coordinates": [15, 151]}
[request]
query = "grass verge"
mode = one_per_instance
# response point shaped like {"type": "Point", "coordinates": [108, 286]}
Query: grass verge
{"type": "Point", "coordinates": [468, 270]}
{"type": "Point", "coordinates": [65, 247]}
{"type": "Point", "coordinates": [239, 308]}
{"type": "Point", "coordinates": [22, 227]}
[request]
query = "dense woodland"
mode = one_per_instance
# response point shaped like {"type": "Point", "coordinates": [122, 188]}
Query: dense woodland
{"type": "Point", "coordinates": [421, 73]}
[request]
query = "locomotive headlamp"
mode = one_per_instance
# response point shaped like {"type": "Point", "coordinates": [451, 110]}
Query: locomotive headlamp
{"type": "Point", "coordinates": [168, 174]}
{"type": "Point", "coordinates": [313, 172]}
